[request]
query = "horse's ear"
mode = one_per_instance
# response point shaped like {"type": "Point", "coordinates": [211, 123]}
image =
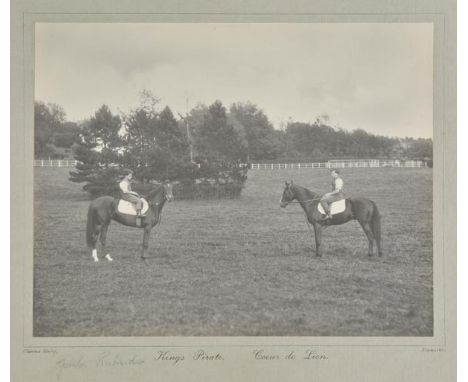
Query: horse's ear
{"type": "Point", "coordinates": [286, 183]}
{"type": "Point", "coordinates": [291, 182]}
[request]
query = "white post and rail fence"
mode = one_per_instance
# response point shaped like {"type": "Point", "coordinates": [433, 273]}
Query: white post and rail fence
{"type": "Point", "coordinates": [370, 163]}
{"type": "Point", "coordinates": [361, 163]}
{"type": "Point", "coordinates": [54, 163]}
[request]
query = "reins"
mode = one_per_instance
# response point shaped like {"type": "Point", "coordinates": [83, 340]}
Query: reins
{"type": "Point", "coordinates": [304, 201]}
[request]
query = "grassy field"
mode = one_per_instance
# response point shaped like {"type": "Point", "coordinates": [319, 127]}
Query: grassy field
{"type": "Point", "coordinates": [239, 267]}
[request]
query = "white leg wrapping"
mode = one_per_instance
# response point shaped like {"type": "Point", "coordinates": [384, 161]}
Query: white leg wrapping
{"type": "Point", "coordinates": [109, 258]}
{"type": "Point", "coordinates": [95, 258]}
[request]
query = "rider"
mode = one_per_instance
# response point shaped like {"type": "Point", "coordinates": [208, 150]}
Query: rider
{"type": "Point", "coordinates": [128, 194]}
{"type": "Point", "coordinates": [335, 195]}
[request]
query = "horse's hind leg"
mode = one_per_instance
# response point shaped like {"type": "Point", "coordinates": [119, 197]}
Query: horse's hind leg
{"type": "Point", "coordinates": [318, 239]}
{"type": "Point", "coordinates": [102, 238]}
{"type": "Point", "coordinates": [370, 236]}
{"type": "Point", "coordinates": [95, 236]}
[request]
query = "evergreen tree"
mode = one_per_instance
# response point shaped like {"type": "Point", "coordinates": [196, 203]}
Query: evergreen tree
{"type": "Point", "coordinates": [219, 148]}
{"type": "Point", "coordinates": [98, 154]}
{"type": "Point", "coordinates": [217, 139]}
{"type": "Point", "coordinates": [156, 146]}
{"type": "Point", "coordinates": [261, 140]}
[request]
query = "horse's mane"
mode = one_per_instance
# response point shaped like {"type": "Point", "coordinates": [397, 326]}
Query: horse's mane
{"type": "Point", "coordinates": [304, 191]}
{"type": "Point", "coordinates": [153, 192]}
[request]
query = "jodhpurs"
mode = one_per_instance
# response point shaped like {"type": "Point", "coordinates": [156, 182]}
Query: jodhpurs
{"type": "Point", "coordinates": [326, 201]}
{"type": "Point", "coordinates": [133, 199]}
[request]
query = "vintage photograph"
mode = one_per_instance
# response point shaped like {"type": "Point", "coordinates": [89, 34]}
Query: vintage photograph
{"type": "Point", "coordinates": [233, 179]}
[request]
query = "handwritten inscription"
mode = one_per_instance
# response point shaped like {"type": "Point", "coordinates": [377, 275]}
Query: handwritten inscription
{"type": "Point", "coordinates": [103, 360]}
{"type": "Point", "coordinates": [109, 359]}
{"type": "Point", "coordinates": [313, 355]}
{"type": "Point", "coordinates": [177, 358]}
{"type": "Point", "coordinates": [263, 355]}
{"type": "Point", "coordinates": [202, 355]}
{"type": "Point", "coordinates": [167, 356]}
{"type": "Point", "coordinates": [69, 362]}
{"type": "Point", "coordinates": [112, 359]}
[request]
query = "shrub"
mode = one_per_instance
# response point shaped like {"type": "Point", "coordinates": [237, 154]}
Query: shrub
{"type": "Point", "coordinates": [200, 191]}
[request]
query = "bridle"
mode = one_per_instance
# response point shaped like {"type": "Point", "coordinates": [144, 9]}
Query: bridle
{"type": "Point", "coordinates": [296, 201]}
{"type": "Point", "coordinates": [154, 204]}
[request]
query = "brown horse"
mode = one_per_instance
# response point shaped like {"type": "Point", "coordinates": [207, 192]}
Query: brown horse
{"type": "Point", "coordinates": [363, 210]}
{"type": "Point", "coordinates": [104, 209]}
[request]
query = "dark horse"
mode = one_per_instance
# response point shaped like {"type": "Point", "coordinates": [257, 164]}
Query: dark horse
{"type": "Point", "coordinates": [104, 209]}
{"type": "Point", "coordinates": [363, 210]}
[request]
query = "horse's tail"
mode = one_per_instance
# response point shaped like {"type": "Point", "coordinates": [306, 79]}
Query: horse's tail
{"type": "Point", "coordinates": [375, 225]}
{"type": "Point", "coordinates": [91, 227]}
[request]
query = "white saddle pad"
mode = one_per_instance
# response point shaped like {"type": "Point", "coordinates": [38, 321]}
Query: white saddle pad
{"type": "Point", "coordinates": [335, 208]}
{"type": "Point", "coordinates": [128, 208]}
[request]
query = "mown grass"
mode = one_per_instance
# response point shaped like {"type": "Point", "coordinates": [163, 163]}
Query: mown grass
{"type": "Point", "coordinates": [239, 267]}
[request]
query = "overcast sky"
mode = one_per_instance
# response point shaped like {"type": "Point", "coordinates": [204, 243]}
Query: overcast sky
{"type": "Point", "coordinates": [377, 77]}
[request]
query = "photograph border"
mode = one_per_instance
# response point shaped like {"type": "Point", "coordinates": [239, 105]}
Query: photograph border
{"type": "Point", "coordinates": [444, 248]}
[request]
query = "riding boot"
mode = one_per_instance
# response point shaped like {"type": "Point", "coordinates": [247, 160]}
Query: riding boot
{"type": "Point", "coordinates": [328, 215]}
{"type": "Point", "coordinates": [138, 218]}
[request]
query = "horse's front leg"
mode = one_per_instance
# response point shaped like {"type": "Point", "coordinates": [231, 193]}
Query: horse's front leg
{"type": "Point", "coordinates": [146, 235]}
{"type": "Point", "coordinates": [318, 239]}
{"type": "Point", "coordinates": [103, 241]}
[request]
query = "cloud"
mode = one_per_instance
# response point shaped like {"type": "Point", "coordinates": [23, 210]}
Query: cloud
{"type": "Point", "coordinates": [372, 76]}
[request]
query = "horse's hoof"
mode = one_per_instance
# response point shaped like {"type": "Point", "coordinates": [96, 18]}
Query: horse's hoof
{"type": "Point", "coordinates": [96, 260]}
{"type": "Point", "coordinates": [109, 258]}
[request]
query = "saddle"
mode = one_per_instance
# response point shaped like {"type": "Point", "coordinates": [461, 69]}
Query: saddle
{"type": "Point", "coordinates": [335, 208]}
{"type": "Point", "coordinates": [128, 208]}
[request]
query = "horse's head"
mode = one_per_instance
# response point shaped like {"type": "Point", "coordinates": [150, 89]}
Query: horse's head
{"type": "Point", "coordinates": [288, 194]}
{"type": "Point", "coordinates": [160, 194]}
{"type": "Point", "coordinates": [167, 191]}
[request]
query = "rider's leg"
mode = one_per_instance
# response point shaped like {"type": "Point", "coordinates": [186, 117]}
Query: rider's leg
{"type": "Point", "coordinates": [326, 207]}
{"type": "Point", "coordinates": [139, 206]}
{"type": "Point", "coordinates": [329, 200]}
{"type": "Point", "coordinates": [135, 200]}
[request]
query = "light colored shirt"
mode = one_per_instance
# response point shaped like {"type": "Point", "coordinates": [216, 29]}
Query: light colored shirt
{"type": "Point", "coordinates": [125, 186]}
{"type": "Point", "coordinates": [338, 184]}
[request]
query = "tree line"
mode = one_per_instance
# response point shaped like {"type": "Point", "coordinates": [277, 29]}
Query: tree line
{"type": "Point", "coordinates": [208, 147]}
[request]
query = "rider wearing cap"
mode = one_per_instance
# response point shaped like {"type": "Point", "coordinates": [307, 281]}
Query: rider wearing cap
{"type": "Point", "coordinates": [335, 195]}
{"type": "Point", "coordinates": [127, 193]}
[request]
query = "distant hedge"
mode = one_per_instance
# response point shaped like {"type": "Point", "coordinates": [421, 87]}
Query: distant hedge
{"type": "Point", "coordinates": [204, 191]}
{"type": "Point", "coordinates": [201, 191]}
